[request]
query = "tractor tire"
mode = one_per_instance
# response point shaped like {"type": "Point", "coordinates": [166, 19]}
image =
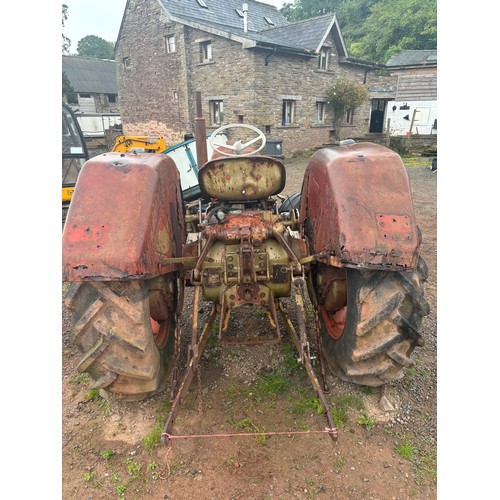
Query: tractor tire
{"type": "Point", "coordinates": [382, 319]}
{"type": "Point", "coordinates": [125, 334]}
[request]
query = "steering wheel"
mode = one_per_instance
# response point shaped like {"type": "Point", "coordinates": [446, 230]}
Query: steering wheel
{"type": "Point", "coordinates": [238, 146]}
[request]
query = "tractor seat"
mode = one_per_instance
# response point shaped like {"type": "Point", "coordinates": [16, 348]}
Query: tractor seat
{"type": "Point", "coordinates": [242, 179]}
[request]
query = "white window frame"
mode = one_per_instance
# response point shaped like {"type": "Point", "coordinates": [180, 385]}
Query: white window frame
{"type": "Point", "coordinates": [349, 116]}
{"type": "Point", "coordinates": [205, 51]}
{"type": "Point", "coordinates": [127, 63]}
{"type": "Point", "coordinates": [323, 58]}
{"type": "Point", "coordinates": [170, 44]}
{"type": "Point", "coordinates": [216, 108]}
{"type": "Point", "coordinates": [288, 112]}
{"type": "Point", "coordinates": [320, 112]}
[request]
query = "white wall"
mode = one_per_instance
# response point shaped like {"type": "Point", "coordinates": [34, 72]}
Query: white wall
{"type": "Point", "coordinates": [424, 117]}
{"type": "Point", "coordinates": [94, 125]}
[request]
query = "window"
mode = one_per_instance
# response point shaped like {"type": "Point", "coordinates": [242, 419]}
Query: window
{"type": "Point", "coordinates": [288, 112]}
{"type": "Point", "coordinates": [127, 64]}
{"type": "Point", "coordinates": [320, 113]}
{"type": "Point", "coordinates": [112, 97]}
{"type": "Point", "coordinates": [349, 116]}
{"type": "Point", "coordinates": [239, 12]}
{"type": "Point", "coordinates": [323, 58]}
{"type": "Point", "coordinates": [269, 21]}
{"type": "Point", "coordinates": [216, 112]}
{"type": "Point", "coordinates": [170, 44]}
{"type": "Point", "coordinates": [205, 52]}
{"type": "Point", "coordinates": [202, 3]}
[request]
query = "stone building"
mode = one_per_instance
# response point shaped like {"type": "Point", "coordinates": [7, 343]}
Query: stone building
{"type": "Point", "coordinates": [250, 65]}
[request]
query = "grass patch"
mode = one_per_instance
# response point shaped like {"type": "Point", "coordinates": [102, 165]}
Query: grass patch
{"type": "Point", "coordinates": [422, 456]}
{"type": "Point", "coordinates": [342, 406]}
{"type": "Point", "coordinates": [272, 384]}
{"type": "Point", "coordinates": [102, 403]}
{"type": "Point", "coordinates": [153, 438]}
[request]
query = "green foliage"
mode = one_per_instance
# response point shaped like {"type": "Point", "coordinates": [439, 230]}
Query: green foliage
{"type": "Point", "coordinates": [366, 421]}
{"type": "Point", "coordinates": [68, 92]}
{"type": "Point", "coordinates": [272, 384]}
{"type": "Point", "coordinates": [375, 29]}
{"type": "Point", "coordinates": [107, 453]}
{"type": "Point", "coordinates": [66, 42]}
{"type": "Point", "coordinates": [95, 46]}
{"type": "Point", "coordinates": [88, 476]}
{"type": "Point", "coordinates": [347, 94]}
{"type": "Point", "coordinates": [342, 406]}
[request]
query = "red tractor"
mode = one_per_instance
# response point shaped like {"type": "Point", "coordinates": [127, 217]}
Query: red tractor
{"type": "Point", "coordinates": [131, 245]}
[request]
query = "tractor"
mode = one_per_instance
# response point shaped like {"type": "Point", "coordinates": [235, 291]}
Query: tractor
{"type": "Point", "coordinates": [349, 244]}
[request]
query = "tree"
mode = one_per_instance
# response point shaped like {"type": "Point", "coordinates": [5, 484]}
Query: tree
{"type": "Point", "coordinates": [66, 42]}
{"type": "Point", "coordinates": [68, 92]}
{"type": "Point", "coordinates": [343, 95]}
{"type": "Point", "coordinates": [95, 46]}
{"type": "Point", "coordinates": [375, 29]}
{"type": "Point", "coordinates": [396, 25]}
{"type": "Point", "coordinates": [305, 9]}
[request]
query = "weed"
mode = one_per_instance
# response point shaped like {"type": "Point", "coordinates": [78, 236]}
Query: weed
{"type": "Point", "coordinates": [153, 438]}
{"type": "Point", "coordinates": [229, 462]}
{"type": "Point", "coordinates": [153, 468]}
{"type": "Point", "coordinates": [368, 390]}
{"type": "Point", "coordinates": [121, 489]}
{"type": "Point", "coordinates": [133, 468]}
{"type": "Point", "coordinates": [102, 403]}
{"type": "Point", "coordinates": [304, 427]}
{"type": "Point", "coordinates": [309, 404]}
{"type": "Point", "coordinates": [366, 421]}
{"type": "Point", "coordinates": [423, 457]}
{"type": "Point", "coordinates": [339, 464]}
{"type": "Point", "coordinates": [272, 384]}
{"type": "Point", "coordinates": [116, 478]}
{"type": "Point", "coordinates": [81, 378]}
{"type": "Point", "coordinates": [341, 407]}
{"type": "Point", "coordinates": [88, 476]}
{"type": "Point", "coordinates": [107, 453]}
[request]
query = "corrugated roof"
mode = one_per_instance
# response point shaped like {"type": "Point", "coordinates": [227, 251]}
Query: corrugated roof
{"type": "Point", "coordinates": [90, 75]}
{"type": "Point", "coordinates": [413, 58]}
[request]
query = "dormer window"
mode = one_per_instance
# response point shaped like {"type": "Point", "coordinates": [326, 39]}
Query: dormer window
{"type": "Point", "coordinates": [269, 21]}
{"type": "Point", "coordinates": [202, 3]}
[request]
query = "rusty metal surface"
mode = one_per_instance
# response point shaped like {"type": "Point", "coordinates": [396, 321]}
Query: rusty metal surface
{"type": "Point", "coordinates": [242, 179]}
{"type": "Point", "coordinates": [126, 217]}
{"type": "Point", "coordinates": [357, 206]}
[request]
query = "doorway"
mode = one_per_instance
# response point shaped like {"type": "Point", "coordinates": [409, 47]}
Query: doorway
{"type": "Point", "coordinates": [377, 116]}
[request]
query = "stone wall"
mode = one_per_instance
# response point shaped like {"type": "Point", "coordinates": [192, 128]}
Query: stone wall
{"type": "Point", "coordinates": [157, 91]}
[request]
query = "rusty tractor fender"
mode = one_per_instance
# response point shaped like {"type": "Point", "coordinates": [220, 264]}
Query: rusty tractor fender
{"type": "Point", "coordinates": [356, 205]}
{"type": "Point", "coordinates": [126, 218]}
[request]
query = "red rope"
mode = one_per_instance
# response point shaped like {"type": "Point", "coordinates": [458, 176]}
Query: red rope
{"type": "Point", "coordinates": [245, 434]}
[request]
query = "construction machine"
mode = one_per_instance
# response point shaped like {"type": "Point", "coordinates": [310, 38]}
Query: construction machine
{"type": "Point", "coordinates": [351, 249]}
{"type": "Point", "coordinates": [74, 155]}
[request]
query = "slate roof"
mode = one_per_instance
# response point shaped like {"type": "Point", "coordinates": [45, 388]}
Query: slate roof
{"type": "Point", "coordinates": [223, 13]}
{"type": "Point", "coordinates": [90, 75]}
{"type": "Point", "coordinates": [413, 58]}
{"type": "Point", "coordinates": [302, 36]}
{"type": "Point", "coordinates": [307, 34]}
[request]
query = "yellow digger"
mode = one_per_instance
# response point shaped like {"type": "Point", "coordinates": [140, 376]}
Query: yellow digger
{"type": "Point", "coordinates": [149, 144]}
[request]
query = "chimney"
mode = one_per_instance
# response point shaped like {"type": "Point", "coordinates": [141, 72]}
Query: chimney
{"type": "Point", "coordinates": [244, 8]}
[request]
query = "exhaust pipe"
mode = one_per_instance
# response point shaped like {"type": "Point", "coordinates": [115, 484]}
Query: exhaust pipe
{"type": "Point", "coordinates": [200, 133]}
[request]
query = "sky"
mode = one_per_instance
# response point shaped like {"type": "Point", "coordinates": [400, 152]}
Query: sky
{"type": "Point", "coordinates": [102, 18]}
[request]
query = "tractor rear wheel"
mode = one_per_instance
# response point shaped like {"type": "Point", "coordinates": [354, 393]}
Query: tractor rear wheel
{"type": "Point", "coordinates": [124, 331]}
{"type": "Point", "coordinates": [369, 340]}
